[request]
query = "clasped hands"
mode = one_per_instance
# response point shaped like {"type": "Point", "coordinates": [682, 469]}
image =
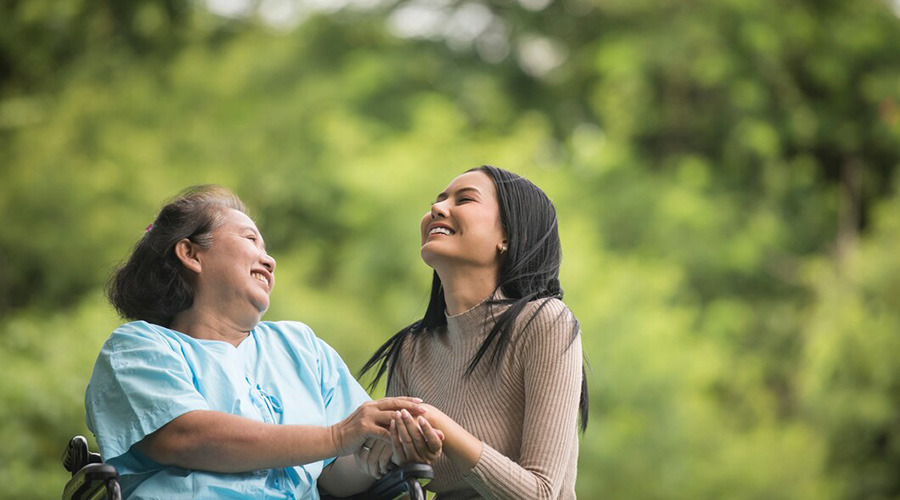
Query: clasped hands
{"type": "Point", "coordinates": [407, 437]}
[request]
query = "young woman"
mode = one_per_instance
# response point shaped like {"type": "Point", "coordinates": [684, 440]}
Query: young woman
{"type": "Point", "coordinates": [199, 398]}
{"type": "Point", "coordinates": [497, 354]}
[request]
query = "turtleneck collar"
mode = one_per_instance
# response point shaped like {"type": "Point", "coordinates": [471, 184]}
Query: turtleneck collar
{"type": "Point", "coordinates": [475, 323]}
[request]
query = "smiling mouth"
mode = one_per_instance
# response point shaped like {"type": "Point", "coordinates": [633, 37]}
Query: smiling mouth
{"type": "Point", "coordinates": [440, 230]}
{"type": "Point", "coordinates": [260, 277]}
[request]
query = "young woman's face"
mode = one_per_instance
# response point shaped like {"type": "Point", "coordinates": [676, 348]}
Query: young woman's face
{"type": "Point", "coordinates": [236, 268]}
{"type": "Point", "coordinates": [463, 225]}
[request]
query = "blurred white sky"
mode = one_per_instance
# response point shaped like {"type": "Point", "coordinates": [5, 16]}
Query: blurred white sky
{"type": "Point", "coordinates": [460, 25]}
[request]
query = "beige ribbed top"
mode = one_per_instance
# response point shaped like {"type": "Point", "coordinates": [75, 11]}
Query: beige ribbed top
{"type": "Point", "coordinates": [524, 409]}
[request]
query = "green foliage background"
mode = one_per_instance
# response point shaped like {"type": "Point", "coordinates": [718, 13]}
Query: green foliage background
{"type": "Point", "coordinates": [724, 173]}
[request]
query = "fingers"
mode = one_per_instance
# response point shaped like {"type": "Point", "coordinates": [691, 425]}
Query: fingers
{"type": "Point", "coordinates": [406, 437]}
{"type": "Point", "coordinates": [411, 405]}
{"type": "Point", "coordinates": [380, 433]}
{"type": "Point", "coordinates": [398, 452]}
{"type": "Point", "coordinates": [373, 420]}
{"type": "Point", "coordinates": [383, 458]}
{"type": "Point", "coordinates": [367, 421]}
{"type": "Point", "coordinates": [374, 457]}
{"type": "Point", "coordinates": [433, 438]}
{"type": "Point", "coordinates": [406, 398]}
{"type": "Point", "coordinates": [361, 457]}
{"type": "Point", "coordinates": [416, 434]}
{"type": "Point", "coordinates": [380, 412]}
{"type": "Point", "coordinates": [365, 452]}
{"type": "Point", "coordinates": [415, 439]}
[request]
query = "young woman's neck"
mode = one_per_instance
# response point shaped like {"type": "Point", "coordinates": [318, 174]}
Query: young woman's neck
{"type": "Point", "coordinates": [466, 288]}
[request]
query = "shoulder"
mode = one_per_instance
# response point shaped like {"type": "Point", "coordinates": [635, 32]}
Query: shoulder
{"type": "Point", "coordinates": [140, 334]}
{"type": "Point", "coordinates": [140, 343]}
{"type": "Point", "coordinates": [548, 313]}
{"type": "Point", "coordinates": [140, 329]}
{"type": "Point", "coordinates": [547, 324]}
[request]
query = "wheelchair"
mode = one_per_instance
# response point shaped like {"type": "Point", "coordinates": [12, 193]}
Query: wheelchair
{"type": "Point", "coordinates": [94, 480]}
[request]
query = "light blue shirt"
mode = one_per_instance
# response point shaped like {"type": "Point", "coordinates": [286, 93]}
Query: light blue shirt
{"type": "Point", "coordinates": [147, 375]}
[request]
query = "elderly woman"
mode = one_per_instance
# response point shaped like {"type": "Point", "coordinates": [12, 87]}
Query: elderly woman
{"type": "Point", "coordinates": [197, 398]}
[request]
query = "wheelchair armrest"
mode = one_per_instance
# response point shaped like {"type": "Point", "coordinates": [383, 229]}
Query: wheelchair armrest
{"type": "Point", "coordinates": [76, 455]}
{"type": "Point", "coordinates": [91, 479]}
{"type": "Point", "coordinates": [407, 481]}
{"type": "Point", "coordinates": [410, 478]}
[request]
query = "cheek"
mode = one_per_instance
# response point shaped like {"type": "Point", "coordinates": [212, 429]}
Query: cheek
{"type": "Point", "coordinates": [426, 219]}
{"type": "Point", "coordinates": [490, 230]}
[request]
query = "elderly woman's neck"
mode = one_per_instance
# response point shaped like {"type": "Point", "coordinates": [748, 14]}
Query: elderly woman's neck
{"type": "Point", "coordinates": [206, 325]}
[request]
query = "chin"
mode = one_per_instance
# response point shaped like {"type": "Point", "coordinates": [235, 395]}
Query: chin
{"type": "Point", "coordinates": [430, 257]}
{"type": "Point", "coordinates": [439, 262]}
{"type": "Point", "coordinates": [261, 311]}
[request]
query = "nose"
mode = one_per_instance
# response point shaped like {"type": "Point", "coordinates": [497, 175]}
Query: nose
{"type": "Point", "coordinates": [438, 210]}
{"type": "Point", "coordinates": [268, 262]}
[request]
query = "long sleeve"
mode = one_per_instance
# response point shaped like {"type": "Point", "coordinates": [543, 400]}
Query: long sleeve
{"type": "Point", "coordinates": [552, 382]}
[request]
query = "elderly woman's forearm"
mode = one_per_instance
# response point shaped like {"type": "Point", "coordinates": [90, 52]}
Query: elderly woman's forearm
{"type": "Point", "coordinates": [221, 442]}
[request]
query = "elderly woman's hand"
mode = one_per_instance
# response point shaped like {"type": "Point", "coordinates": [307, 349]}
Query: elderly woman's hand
{"type": "Point", "coordinates": [374, 457]}
{"type": "Point", "coordinates": [414, 440]}
{"type": "Point", "coordinates": [371, 420]}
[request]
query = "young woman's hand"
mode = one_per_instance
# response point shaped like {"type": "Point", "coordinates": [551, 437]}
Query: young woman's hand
{"type": "Point", "coordinates": [371, 420]}
{"type": "Point", "coordinates": [414, 440]}
{"type": "Point", "coordinates": [458, 445]}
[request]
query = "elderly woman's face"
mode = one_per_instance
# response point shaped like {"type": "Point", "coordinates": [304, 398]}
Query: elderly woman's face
{"type": "Point", "coordinates": [237, 274]}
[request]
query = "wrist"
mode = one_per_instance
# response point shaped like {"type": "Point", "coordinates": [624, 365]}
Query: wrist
{"type": "Point", "coordinates": [336, 436]}
{"type": "Point", "coordinates": [461, 447]}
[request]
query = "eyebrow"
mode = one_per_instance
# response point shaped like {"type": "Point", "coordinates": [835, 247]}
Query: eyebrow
{"type": "Point", "coordinates": [444, 194]}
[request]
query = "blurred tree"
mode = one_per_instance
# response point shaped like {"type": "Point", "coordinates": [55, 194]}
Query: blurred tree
{"type": "Point", "coordinates": [40, 39]}
{"type": "Point", "coordinates": [850, 377]}
{"type": "Point", "coordinates": [723, 171]}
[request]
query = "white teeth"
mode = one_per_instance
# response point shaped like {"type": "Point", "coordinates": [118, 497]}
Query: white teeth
{"type": "Point", "coordinates": [261, 278]}
{"type": "Point", "coordinates": [440, 230]}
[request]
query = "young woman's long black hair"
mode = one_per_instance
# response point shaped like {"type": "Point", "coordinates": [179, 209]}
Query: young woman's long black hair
{"type": "Point", "coordinates": [529, 272]}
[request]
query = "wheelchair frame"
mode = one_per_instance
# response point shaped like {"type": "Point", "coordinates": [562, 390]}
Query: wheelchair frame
{"type": "Point", "coordinates": [94, 480]}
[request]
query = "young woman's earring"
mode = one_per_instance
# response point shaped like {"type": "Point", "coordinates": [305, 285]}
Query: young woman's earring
{"type": "Point", "coordinates": [503, 249]}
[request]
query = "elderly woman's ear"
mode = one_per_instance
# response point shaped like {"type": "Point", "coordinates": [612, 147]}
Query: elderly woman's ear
{"type": "Point", "coordinates": [188, 253]}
